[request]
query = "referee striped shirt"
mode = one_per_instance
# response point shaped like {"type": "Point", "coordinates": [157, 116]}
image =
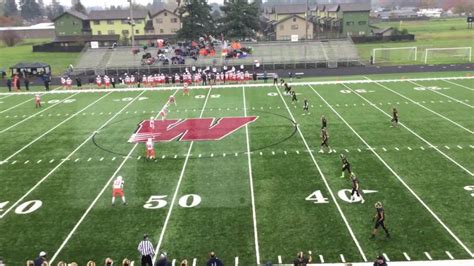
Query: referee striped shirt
{"type": "Point", "coordinates": [146, 248]}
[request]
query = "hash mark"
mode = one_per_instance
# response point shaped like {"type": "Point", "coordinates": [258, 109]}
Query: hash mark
{"type": "Point", "coordinates": [409, 148]}
{"type": "Point", "coordinates": [447, 147]}
{"type": "Point", "coordinates": [14, 162]}
{"type": "Point", "coordinates": [459, 147]}
{"type": "Point", "coordinates": [139, 157]}
{"type": "Point", "coordinates": [406, 256]}
{"type": "Point", "coordinates": [321, 258]}
{"type": "Point", "coordinates": [52, 160]}
{"type": "Point", "coordinates": [396, 148]}
{"type": "Point", "coordinates": [77, 159]}
{"type": "Point", "coordinates": [422, 148]}
{"type": "Point", "coordinates": [113, 159]}
{"type": "Point", "coordinates": [236, 154]}
{"type": "Point", "coordinates": [297, 152]}
{"type": "Point", "coordinates": [261, 153]}
{"type": "Point", "coordinates": [428, 256]}
{"type": "Point", "coordinates": [384, 149]}
{"type": "Point", "coordinates": [273, 152]}
{"type": "Point", "coordinates": [223, 155]}
{"type": "Point", "coordinates": [449, 255]}
{"type": "Point", "coordinates": [199, 156]}
{"type": "Point", "coordinates": [342, 258]}
{"type": "Point", "coordinates": [212, 154]}
{"type": "Point", "coordinates": [27, 161]}
{"type": "Point", "coordinates": [164, 156]}
{"type": "Point", "coordinates": [279, 259]}
{"type": "Point", "coordinates": [38, 161]}
{"type": "Point", "coordinates": [89, 159]}
{"type": "Point", "coordinates": [285, 152]}
{"type": "Point", "coordinates": [346, 150]}
{"type": "Point", "coordinates": [386, 257]}
{"type": "Point", "coordinates": [358, 150]}
{"type": "Point", "coordinates": [101, 159]}
{"type": "Point", "coordinates": [175, 156]}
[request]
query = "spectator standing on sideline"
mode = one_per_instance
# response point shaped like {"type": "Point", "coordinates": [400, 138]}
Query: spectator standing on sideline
{"type": "Point", "coordinates": [146, 250]}
{"type": "Point", "coordinates": [41, 259]}
{"type": "Point", "coordinates": [301, 260]}
{"type": "Point", "coordinates": [46, 82]}
{"type": "Point", "coordinates": [9, 84]}
{"type": "Point", "coordinates": [78, 82]}
{"type": "Point", "coordinates": [275, 79]}
{"type": "Point", "coordinates": [214, 261]}
{"type": "Point", "coordinates": [27, 84]}
{"type": "Point", "coordinates": [18, 83]}
{"type": "Point", "coordinates": [112, 81]}
{"type": "Point", "coordinates": [380, 261]}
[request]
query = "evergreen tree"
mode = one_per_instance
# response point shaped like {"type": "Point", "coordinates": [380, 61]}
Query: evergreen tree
{"type": "Point", "coordinates": [240, 20]}
{"type": "Point", "coordinates": [29, 9]}
{"type": "Point", "coordinates": [196, 20]}
{"type": "Point", "coordinates": [10, 9]}
{"type": "Point", "coordinates": [80, 8]}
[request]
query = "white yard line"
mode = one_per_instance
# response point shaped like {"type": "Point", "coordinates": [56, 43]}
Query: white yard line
{"type": "Point", "coordinates": [414, 133]}
{"type": "Point", "coordinates": [15, 106]}
{"type": "Point", "coordinates": [35, 114]}
{"type": "Point", "coordinates": [442, 94]}
{"type": "Point", "coordinates": [459, 85]}
{"type": "Point", "coordinates": [178, 185]}
{"type": "Point", "coordinates": [51, 129]}
{"type": "Point", "coordinates": [66, 159]}
{"type": "Point", "coordinates": [324, 180]}
{"type": "Point", "coordinates": [398, 177]}
{"type": "Point", "coordinates": [252, 194]}
{"type": "Point", "coordinates": [426, 108]}
{"type": "Point", "coordinates": [102, 191]}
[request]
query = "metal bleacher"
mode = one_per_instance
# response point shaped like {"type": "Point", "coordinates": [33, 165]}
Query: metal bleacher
{"type": "Point", "coordinates": [270, 55]}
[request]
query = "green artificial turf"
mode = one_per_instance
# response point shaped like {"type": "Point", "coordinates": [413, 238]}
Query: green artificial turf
{"type": "Point", "coordinates": [419, 172]}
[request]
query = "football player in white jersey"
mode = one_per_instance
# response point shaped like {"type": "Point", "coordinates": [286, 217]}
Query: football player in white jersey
{"type": "Point", "coordinates": [117, 187]}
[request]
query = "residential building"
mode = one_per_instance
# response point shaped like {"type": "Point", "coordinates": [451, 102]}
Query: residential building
{"type": "Point", "coordinates": [355, 19]}
{"type": "Point", "coordinates": [116, 22]}
{"type": "Point", "coordinates": [41, 30]}
{"type": "Point", "coordinates": [293, 25]}
{"type": "Point", "coordinates": [280, 12]}
{"type": "Point", "coordinates": [72, 22]}
{"type": "Point", "coordinates": [163, 22]}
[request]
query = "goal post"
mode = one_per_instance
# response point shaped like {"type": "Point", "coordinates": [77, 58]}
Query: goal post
{"type": "Point", "coordinates": [394, 54]}
{"type": "Point", "coordinates": [452, 52]}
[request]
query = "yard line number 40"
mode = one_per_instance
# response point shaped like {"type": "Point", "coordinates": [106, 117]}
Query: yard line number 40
{"type": "Point", "coordinates": [26, 207]}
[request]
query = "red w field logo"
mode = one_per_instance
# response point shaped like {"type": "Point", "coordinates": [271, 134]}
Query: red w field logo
{"type": "Point", "coordinates": [192, 129]}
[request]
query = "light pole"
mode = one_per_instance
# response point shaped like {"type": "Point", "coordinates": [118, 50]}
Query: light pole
{"type": "Point", "coordinates": [132, 22]}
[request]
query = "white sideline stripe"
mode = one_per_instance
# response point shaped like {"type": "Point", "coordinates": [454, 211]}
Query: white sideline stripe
{"type": "Point", "coordinates": [194, 262]}
{"type": "Point", "coordinates": [15, 106]}
{"type": "Point", "coordinates": [279, 260]}
{"type": "Point", "coordinates": [386, 257]}
{"type": "Point", "coordinates": [459, 85]}
{"type": "Point", "coordinates": [31, 116]}
{"type": "Point", "coordinates": [414, 133]}
{"type": "Point", "coordinates": [252, 193]}
{"type": "Point", "coordinates": [324, 180]}
{"type": "Point", "coordinates": [428, 256]}
{"type": "Point", "coordinates": [342, 258]}
{"type": "Point", "coordinates": [400, 179]}
{"type": "Point", "coordinates": [316, 83]}
{"type": "Point", "coordinates": [426, 108]}
{"type": "Point", "coordinates": [236, 261]}
{"type": "Point", "coordinates": [321, 258]}
{"type": "Point", "coordinates": [406, 256]}
{"type": "Point", "coordinates": [178, 185]}
{"type": "Point", "coordinates": [449, 255]}
{"type": "Point", "coordinates": [442, 94]}
{"type": "Point", "coordinates": [67, 157]}
{"type": "Point", "coordinates": [103, 189]}
{"type": "Point", "coordinates": [53, 128]}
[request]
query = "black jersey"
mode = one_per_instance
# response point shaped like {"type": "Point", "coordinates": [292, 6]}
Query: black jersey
{"type": "Point", "coordinates": [306, 104]}
{"type": "Point", "coordinates": [294, 96]}
{"type": "Point", "coordinates": [355, 182]}
{"type": "Point", "coordinates": [324, 123]}
{"type": "Point", "coordinates": [380, 214]}
{"type": "Point", "coordinates": [395, 114]}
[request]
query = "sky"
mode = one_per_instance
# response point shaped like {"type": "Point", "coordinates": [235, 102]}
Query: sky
{"type": "Point", "coordinates": [112, 2]}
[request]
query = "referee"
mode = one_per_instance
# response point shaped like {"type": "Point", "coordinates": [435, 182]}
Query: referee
{"type": "Point", "coordinates": [146, 249]}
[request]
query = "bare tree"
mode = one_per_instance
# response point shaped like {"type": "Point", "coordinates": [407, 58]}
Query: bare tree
{"type": "Point", "coordinates": [10, 38]}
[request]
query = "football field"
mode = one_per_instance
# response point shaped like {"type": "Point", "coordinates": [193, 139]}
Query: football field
{"type": "Point", "coordinates": [252, 192]}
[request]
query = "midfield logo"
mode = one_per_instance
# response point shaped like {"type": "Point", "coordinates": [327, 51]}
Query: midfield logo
{"type": "Point", "coordinates": [192, 129]}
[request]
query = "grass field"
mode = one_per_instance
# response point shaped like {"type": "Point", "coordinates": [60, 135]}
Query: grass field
{"type": "Point", "coordinates": [261, 193]}
{"type": "Point", "coordinates": [434, 33]}
{"type": "Point", "coordinates": [23, 52]}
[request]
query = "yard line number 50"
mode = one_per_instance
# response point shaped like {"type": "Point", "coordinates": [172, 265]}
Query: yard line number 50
{"type": "Point", "coordinates": [159, 201]}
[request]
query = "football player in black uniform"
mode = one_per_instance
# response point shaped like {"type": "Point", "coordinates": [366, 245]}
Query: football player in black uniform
{"type": "Point", "coordinates": [282, 82]}
{"type": "Point", "coordinates": [287, 89]}
{"type": "Point", "coordinates": [394, 117]}
{"type": "Point", "coordinates": [293, 97]}
{"type": "Point", "coordinates": [379, 220]}
{"type": "Point", "coordinates": [306, 106]}
{"type": "Point", "coordinates": [346, 166]}
{"type": "Point", "coordinates": [356, 188]}
{"type": "Point", "coordinates": [324, 122]}
{"type": "Point", "coordinates": [325, 140]}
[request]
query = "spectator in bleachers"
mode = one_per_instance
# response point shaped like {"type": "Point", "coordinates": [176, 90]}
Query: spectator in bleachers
{"type": "Point", "coordinates": [380, 261]}
{"type": "Point", "coordinates": [302, 260]}
{"type": "Point", "coordinates": [40, 259]}
{"type": "Point", "coordinates": [214, 260]}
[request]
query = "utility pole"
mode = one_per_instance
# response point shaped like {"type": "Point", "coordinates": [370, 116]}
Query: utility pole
{"type": "Point", "coordinates": [306, 19]}
{"type": "Point", "coordinates": [132, 22]}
